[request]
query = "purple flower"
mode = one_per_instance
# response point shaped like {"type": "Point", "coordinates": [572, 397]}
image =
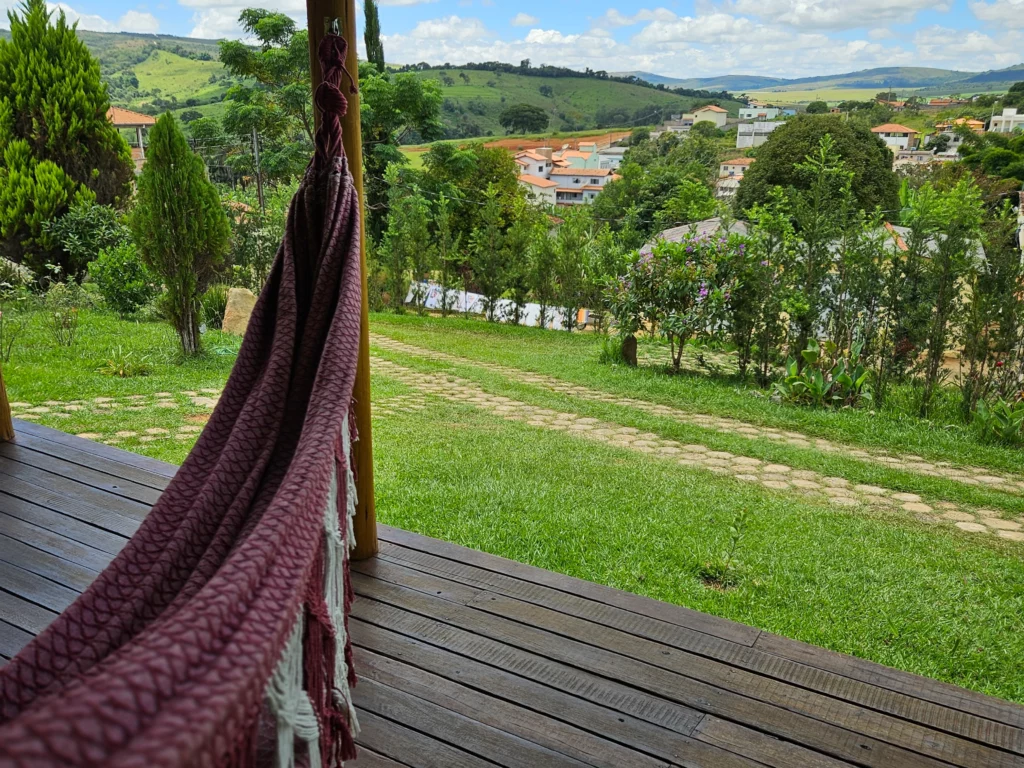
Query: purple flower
{"type": "Point", "coordinates": [764, 263]}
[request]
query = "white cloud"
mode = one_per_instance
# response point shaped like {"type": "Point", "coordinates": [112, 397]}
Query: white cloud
{"type": "Point", "coordinates": [835, 14]}
{"type": "Point", "coordinates": [138, 21]}
{"type": "Point", "coordinates": [881, 33]}
{"type": "Point", "coordinates": [88, 21]}
{"type": "Point", "coordinates": [942, 46]}
{"type": "Point", "coordinates": [524, 20]}
{"type": "Point", "coordinates": [452, 28]}
{"type": "Point", "coordinates": [215, 23]}
{"type": "Point", "coordinates": [1005, 13]}
{"type": "Point", "coordinates": [614, 18]}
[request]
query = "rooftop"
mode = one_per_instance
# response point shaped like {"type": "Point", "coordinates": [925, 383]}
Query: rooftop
{"type": "Point", "coordinates": [893, 128]}
{"type": "Point", "coordinates": [581, 172]}
{"type": "Point", "coordinates": [738, 161]}
{"type": "Point", "coordinates": [125, 118]}
{"type": "Point", "coordinates": [709, 107]}
{"type": "Point", "coordinates": [536, 181]}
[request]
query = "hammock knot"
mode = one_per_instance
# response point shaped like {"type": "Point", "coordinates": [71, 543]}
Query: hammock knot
{"type": "Point", "coordinates": [329, 99]}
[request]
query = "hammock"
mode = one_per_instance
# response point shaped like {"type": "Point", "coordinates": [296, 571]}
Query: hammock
{"type": "Point", "coordinates": [218, 636]}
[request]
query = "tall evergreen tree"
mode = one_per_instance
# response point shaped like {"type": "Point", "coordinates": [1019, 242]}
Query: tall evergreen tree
{"type": "Point", "coordinates": [57, 146]}
{"type": "Point", "coordinates": [371, 35]}
{"type": "Point", "coordinates": [179, 226]}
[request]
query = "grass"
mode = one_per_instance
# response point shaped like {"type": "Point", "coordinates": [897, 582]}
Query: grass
{"type": "Point", "coordinates": [920, 597]}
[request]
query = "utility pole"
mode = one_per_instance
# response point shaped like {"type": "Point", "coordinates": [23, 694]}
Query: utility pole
{"type": "Point", "coordinates": [259, 174]}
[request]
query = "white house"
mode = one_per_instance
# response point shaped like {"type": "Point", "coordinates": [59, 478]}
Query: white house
{"type": "Point", "coordinates": [611, 157]}
{"type": "Point", "coordinates": [576, 186]}
{"type": "Point", "coordinates": [759, 113]}
{"type": "Point", "coordinates": [735, 167]}
{"type": "Point", "coordinates": [710, 113]}
{"type": "Point", "coordinates": [753, 134]}
{"type": "Point", "coordinates": [1008, 122]}
{"type": "Point", "coordinates": [535, 162]}
{"type": "Point", "coordinates": [896, 136]}
{"type": "Point", "coordinates": [542, 190]}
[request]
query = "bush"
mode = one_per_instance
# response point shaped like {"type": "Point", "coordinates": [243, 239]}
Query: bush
{"type": "Point", "coordinates": [829, 379]}
{"type": "Point", "coordinates": [85, 231]}
{"type": "Point", "coordinates": [60, 308]}
{"type": "Point", "coordinates": [125, 365]}
{"type": "Point", "coordinates": [215, 303]}
{"type": "Point", "coordinates": [1001, 422]}
{"type": "Point", "coordinates": [124, 282]}
{"type": "Point", "coordinates": [15, 275]}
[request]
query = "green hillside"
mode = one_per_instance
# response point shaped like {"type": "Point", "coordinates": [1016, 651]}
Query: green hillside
{"type": "Point", "coordinates": [476, 98]}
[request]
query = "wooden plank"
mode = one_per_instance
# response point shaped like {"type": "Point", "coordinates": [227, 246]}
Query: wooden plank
{"type": "Point", "coordinates": [54, 543]}
{"type": "Point", "coordinates": [443, 724]}
{"type": "Point", "coordinates": [12, 640]}
{"type": "Point", "coordinates": [392, 740]}
{"type": "Point", "coordinates": [77, 455]}
{"type": "Point", "coordinates": [370, 759]}
{"type": "Point", "coordinates": [590, 703]}
{"type": "Point", "coordinates": [99, 449]}
{"type": "Point", "coordinates": [23, 614]}
{"type": "Point", "coordinates": [673, 614]}
{"type": "Point", "coordinates": [51, 485]}
{"type": "Point", "coordinates": [497, 713]}
{"type": "Point", "coordinates": [822, 724]}
{"type": "Point", "coordinates": [82, 474]}
{"type": "Point", "coordinates": [69, 574]}
{"type": "Point", "coordinates": [112, 522]}
{"type": "Point", "coordinates": [70, 527]}
{"type": "Point", "coordinates": [751, 659]}
{"type": "Point", "coordinates": [30, 586]}
{"type": "Point", "coordinates": [944, 694]}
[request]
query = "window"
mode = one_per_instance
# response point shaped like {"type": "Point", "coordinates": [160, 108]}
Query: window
{"type": "Point", "coordinates": [575, 181]}
{"type": "Point", "coordinates": [595, 181]}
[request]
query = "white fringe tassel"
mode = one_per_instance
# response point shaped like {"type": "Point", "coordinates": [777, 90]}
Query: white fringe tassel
{"type": "Point", "coordinates": [286, 698]}
{"type": "Point", "coordinates": [291, 705]}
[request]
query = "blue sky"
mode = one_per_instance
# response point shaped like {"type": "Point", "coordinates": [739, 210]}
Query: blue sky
{"type": "Point", "coordinates": [681, 38]}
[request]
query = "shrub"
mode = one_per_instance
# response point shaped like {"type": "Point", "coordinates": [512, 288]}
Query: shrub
{"type": "Point", "coordinates": [60, 308]}
{"type": "Point", "coordinates": [13, 319]}
{"type": "Point", "coordinates": [15, 275]}
{"type": "Point", "coordinates": [1001, 421]}
{"type": "Point", "coordinates": [215, 303]}
{"type": "Point", "coordinates": [124, 364]}
{"type": "Point", "coordinates": [829, 379]}
{"type": "Point", "coordinates": [124, 282]}
{"type": "Point", "coordinates": [85, 231]}
{"type": "Point", "coordinates": [611, 351]}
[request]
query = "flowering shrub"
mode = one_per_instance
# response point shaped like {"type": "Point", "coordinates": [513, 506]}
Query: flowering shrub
{"type": "Point", "coordinates": [678, 289]}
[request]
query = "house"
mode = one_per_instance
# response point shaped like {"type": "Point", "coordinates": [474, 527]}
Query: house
{"type": "Point", "coordinates": [726, 188]}
{"type": "Point", "coordinates": [759, 113]}
{"type": "Point", "coordinates": [126, 119]}
{"type": "Point", "coordinates": [734, 167]}
{"type": "Point", "coordinates": [577, 186]}
{"type": "Point", "coordinates": [917, 157]}
{"type": "Point", "coordinates": [895, 106]}
{"type": "Point", "coordinates": [535, 162]}
{"type": "Point", "coordinates": [540, 189]}
{"type": "Point", "coordinates": [611, 157]}
{"type": "Point", "coordinates": [581, 158]}
{"type": "Point", "coordinates": [835, 111]}
{"type": "Point", "coordinates": [1008, 122]}
{"type": "Point", "coordinates": [974, 125]}
{"type": "Point", "coordinates": [896, 136]}
{"type": "Point", "coordinates": [754, 134]}
{"type": "Point", "coordinates": [708, 227]}
{"type": "Point", "coordinates": [710, 113]}
{"type": "Point", "coordinates": [953, 133]}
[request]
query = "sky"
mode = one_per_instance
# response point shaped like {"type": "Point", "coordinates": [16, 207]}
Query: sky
{"type": "Point", "coordinates": [679, 38]}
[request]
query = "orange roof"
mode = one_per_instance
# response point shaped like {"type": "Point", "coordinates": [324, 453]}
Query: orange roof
{"type": "Point", "coordinates": [616, 177]}
{"type": "Point", "coordinates": [562, 163]}
{"type": "Point", "coordinates": [570, 190]}
{"type": "Point", "coordinates": [537, 181]}
{"type": "Point", "coordinates": [531, 154]}
{"type": "Point", "coordinates": [522, 162]}
{"type": "Point", "coordinates": [574, 153]}
{"type": "Point", "coordinates": [711, 107]}
{"type": "Point", "coordinates": [893, 128]}
{"type": "Point", "coordinates": [739, 161]}
{"type": "Point", "coordinates": [125, 118]}
{"type": "Point", "coordinates": [580, 171]}
{"type": "Point", "coordinates": [593, 187]}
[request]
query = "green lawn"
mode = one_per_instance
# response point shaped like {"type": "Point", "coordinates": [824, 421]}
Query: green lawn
{"type": "Point", "coordinates": [884, 586]}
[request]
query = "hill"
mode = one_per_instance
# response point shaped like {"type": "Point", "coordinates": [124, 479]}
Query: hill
{"type": "Point", "coordinates": [473, 100]}
{"type": "Point", "coordinates": [935, 81]}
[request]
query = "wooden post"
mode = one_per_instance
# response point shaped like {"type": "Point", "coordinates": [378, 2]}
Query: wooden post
{"type": "Point", "coordinates": [319, 15]}
{"type": "Point", "coordinates": [6, 425]}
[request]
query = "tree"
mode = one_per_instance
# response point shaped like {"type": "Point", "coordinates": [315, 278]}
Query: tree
{"type": "Point", "coordinates": [707, 129]}
{"type": "Point", "coordinates": [863, 154]}
{"type": "Point", "coordinates": [404, 246]}
{"type": "Point", "coordinates": [574, 279]}
{"type": "Point", "coordinates": [523, 118]}
{"type": "Point", "coordinates": [447, 257]}
{"type": "Point", "coordinates": [279, 64]}
{"type": "Point", "coordinates": [487, 253]}
{"type": "Point", "coordinates": [817, 108]}
{"type": "Point", "coordinates": [547, 90]}
{"type": "Point", "coordinates": [371, 36]}
{"type": "Point", "coordinates": [179, 226]}
{"type": "Point", "coordinates": [57, 146]}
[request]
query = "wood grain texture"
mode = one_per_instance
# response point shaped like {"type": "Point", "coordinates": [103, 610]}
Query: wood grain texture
{"type": "Point", "coordinates": [468, 660]}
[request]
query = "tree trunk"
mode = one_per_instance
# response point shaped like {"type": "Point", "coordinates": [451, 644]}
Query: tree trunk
{"type": "Point", "coordinates": [188, 333]}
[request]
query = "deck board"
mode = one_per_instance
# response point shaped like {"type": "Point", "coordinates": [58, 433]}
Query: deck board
{"type": "Point", "coordinates": [466, 659]}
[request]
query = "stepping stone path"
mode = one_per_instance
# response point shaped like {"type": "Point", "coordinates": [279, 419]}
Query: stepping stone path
{"type": "Point", "coordinates": [203, 398]}
{"type": "Point", "coordinates": [976, 476]}
{"type": "Point", "coordinates": [835, 491]}
{"type": "Point", "coordinates": [408, 403]}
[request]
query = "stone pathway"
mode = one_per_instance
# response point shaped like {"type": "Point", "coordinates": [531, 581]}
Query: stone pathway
{"type": "Point", "coordinates": [836, 491]}
{"type": "Point", "coordinates": [977, 476]}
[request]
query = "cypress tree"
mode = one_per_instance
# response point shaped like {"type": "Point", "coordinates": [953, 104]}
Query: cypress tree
{"type": "Point", "coordinates": [57, 146]}
{"type": "Point", "coordinates": [179, 226]}
{"type": "Point", "coordinates": [371, 36]}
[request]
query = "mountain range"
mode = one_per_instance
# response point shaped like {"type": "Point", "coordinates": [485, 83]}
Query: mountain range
{"type": "Point", "coordinates": [948, 80]}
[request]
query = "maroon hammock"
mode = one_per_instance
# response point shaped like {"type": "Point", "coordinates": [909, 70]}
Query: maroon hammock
{"type": "Point", "coordinates": [218, 636]}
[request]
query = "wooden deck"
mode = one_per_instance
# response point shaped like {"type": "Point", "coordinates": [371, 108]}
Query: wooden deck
{"type": "Point", "coordinates": [466, 659]}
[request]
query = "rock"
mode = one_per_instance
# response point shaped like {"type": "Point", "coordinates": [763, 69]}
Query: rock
{"type": "Point", "coordinates": [239, 309]}
{"type": "Point", "coordinates": [629, 350]}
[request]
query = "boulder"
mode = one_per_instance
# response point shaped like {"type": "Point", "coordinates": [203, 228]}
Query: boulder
{"type": "Point", "coordinates": [239, 309]}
